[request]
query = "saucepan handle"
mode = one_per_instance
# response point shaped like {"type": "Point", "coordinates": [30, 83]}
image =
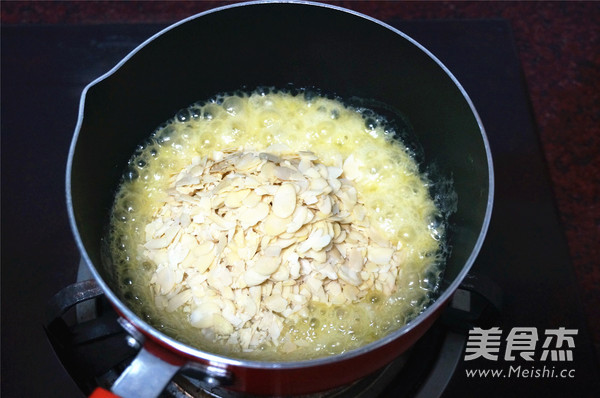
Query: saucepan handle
{"type": "Point", "coordinates": [102, 393]}
{"type": "Point", "coordinates": [146, 377]}
{"type": "Point", "coordinates": [153, 366]}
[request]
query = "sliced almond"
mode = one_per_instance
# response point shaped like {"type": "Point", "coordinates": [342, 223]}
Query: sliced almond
{"type": "Point", "coordinates": [266, 265]}
{"type": "Point", "coordinates": [298, 219]}
{"type": "Point", "coordinates": [349, 275]}
{"type": "Point", "coordinates": [199, 259]}
{"type": "Point", "coordinates": [351, 168]}
{"type": "Point", "coordinates": [235, 199]}
{"type": "Point", "coordinates": [267, 171]}
{"type": "Point", "coordinates": [247, 162]}
{"type": "Point", "coordinates": [165, 240]}
{"type": "Point", "coordinates": [179, 300]}
{"type": "Point", "coordinates": [252, 199]}
{"type": "Point", "coordinates": [251, 216]}
{"type": "Point", "coordinates": [380, 255]}
{"type": "Point", "coordinates": [276, 303]}
{"type": "Point", "coordinates": [273, 225]}
{"type": "Point", "coordinates": [221, 325]}
{"type": "Point", "coordinates": [176, 253]}
{"type": "Point", "coordinates": [355, 260]}
{"type": "Point", "coordinates": [165, 278]}
{"type": "Point", "coordinates": [284, 201]}
{"type": "Point", "coordinates": [273, 251]}
{"type": "Point", "coordinates": [318, 184]}
{"type": "Point", "coordinates": [253, 278]}
{"type": "Point", "coordinates": [245, 240]}
{"type": "Point", "coordinates": [202, 316]}
{"type": "Point", "coordinates": [287, 173]}
{"type": "Point", "coordinates": [334, 172]}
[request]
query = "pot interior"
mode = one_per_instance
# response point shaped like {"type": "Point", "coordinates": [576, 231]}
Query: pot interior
{"type": "Point", "coordinates": [274, 45]}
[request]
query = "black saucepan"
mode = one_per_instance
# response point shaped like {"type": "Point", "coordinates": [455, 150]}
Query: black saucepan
{"type": "Point", "coordinates": [274, 44]}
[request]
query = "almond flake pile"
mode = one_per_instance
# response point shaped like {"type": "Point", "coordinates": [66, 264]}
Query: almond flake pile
{"type": "Point", "coordinates": [247, 239]}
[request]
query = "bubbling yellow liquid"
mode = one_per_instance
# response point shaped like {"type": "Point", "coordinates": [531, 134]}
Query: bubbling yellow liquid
{"type": "Point", "coordinates": [391, 186]}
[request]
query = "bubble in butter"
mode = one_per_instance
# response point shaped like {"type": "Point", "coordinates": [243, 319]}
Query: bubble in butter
{"type": "Point", "coordinates": [274, 126]}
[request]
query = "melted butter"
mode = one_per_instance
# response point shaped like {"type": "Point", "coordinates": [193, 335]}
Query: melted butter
{"type": "Point", "coordinates": [390, 185]}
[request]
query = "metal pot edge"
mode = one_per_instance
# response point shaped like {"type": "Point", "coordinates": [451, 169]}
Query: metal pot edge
{"type": "Point", "coordinates": [197, 354]}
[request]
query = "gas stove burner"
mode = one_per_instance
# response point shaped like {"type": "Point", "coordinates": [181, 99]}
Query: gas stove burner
{"type": "Point", "coordinates": [186, 386]}
{"type": "Point", "coordinates": [93, 344]}
{"type": "Point", "coordinates": [369, 386]}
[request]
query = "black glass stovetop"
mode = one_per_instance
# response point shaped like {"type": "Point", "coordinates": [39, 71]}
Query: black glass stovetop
{"type": "Point", "coordinates": [44, 69]}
